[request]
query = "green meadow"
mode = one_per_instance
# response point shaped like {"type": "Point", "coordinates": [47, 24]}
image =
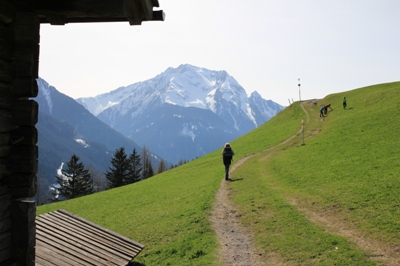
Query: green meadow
{"type": "Point", "coordinates": [330, 200]}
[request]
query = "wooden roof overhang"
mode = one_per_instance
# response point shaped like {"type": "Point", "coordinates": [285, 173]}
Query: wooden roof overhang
{"type": "Point", "coordinates": [64, 239]}
{"type": "Point", "coordinates": [61, 12]}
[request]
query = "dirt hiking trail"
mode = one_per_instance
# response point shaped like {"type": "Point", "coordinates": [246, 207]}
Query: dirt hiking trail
{"type": "Point", "coordinates": [236, 243]}
{"type": "Point", "coordinates": [237, 247]}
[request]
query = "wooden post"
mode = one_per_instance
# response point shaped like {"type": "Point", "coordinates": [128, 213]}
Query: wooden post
{"type": "Point", "coordinates": [23, 229]}
{"type": "Point", "coordinates": [18, 83]}
{"type": "Point", "coordinates": [5, 226]}
{"type": "Point", "coordinates": [7, 12]}
{"type": "Point", "coordinates": [7, 74]}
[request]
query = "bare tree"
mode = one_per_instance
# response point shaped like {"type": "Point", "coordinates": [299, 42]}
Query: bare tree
{"type": "Point", "coordinates": [43, 193]}
{"type": "Point", "coordinates": [99, 182]}
{"type": "Point", "coordinates": [147, 170]}
{"type": "Point", "coordinates": [162, 166]}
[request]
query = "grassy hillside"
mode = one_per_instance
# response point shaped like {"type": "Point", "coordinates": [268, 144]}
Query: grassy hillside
{"type": "Point", "coordinates": [326, 202]}
{"type": "Point", "coordinates": [308, 204]}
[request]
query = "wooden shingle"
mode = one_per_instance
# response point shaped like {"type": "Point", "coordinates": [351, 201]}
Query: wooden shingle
{"type": "Point", "coordinates": [63, 238]}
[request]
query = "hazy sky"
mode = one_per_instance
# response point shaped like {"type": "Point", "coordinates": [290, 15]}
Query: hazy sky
{"type": "Point", "coordinates": [331, 45]}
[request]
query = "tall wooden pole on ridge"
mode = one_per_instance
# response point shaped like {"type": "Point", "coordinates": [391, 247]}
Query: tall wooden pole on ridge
{"type": "Point", "coordinates": [299, 90]}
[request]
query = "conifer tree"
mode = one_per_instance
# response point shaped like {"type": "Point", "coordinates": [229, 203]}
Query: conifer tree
{"type": "Point", "coordinates": [135, 168]}
{"type": "Point", "coordinates": [119, 170]}
{"type": "Point", "coordinates": [75, 181]}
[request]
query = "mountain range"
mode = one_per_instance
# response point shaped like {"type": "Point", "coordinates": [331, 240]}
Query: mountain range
{"type": "Point", "coordinates": [182, 113]}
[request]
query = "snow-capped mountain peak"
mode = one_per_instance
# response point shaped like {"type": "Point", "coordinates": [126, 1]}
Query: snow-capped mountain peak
{"type": "Point", "coordinates": [187, 92]}
{"type": "Point", "coordinates": [186, 86]}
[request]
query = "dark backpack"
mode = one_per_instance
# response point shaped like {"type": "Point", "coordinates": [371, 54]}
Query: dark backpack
{"type": "Point", "coordinates": [228, 152]}
{"type": "Point", "coordinates": [227, 155]}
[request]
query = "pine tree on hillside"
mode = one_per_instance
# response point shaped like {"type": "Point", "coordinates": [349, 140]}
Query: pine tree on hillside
{"type": "Point", "coordinates": [75, 181]}
{"type": "Point", "coordinates": [119, 170]}
{"type": "Point", "coordinates": [135, 168]}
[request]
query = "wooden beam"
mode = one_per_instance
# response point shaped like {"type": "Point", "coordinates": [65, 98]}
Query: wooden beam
{"type": "Point", "coordinates": [55, 19]}
{"type": "Point", "coordinates": [155, 3]}
{"type": "Point", "coordinates": [22, 185]}
{"type": "Point", "coordinates": [138, 11]}
{"type": "Point", "coordinates": [24, 87]}
{"type": "Point", "coordinates": [147, 9]}
{"type": "Point", "coordinates": [7, 71]}
{"type": "Point", "coordinates": [23, 228]}
{"type": "Point", "coordinates": [158, 15]}
{"type": "Point", "coordinates": [79, 10]}
{"type": "Point", "coordinates": [25, 112]}
{"type": "Point", "coordinates": [6, 121]}
{"type": "Point", "coordinates": [7, 12]}
{"type": "Point", "coordinates": [59, 12]}
{"type": "Point", "coordinates": [24, 135]}
{"type": "Point", "coordinates": [4, 172]}
{"type": "Point", "coordinates": [131, 10]}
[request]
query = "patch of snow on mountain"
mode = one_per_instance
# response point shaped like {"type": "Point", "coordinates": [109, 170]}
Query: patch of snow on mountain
{"type": "Point", "coordinates": [100, 108]}
{"type": "Point", "coordinates": [101, 102]}
{"type": "Point", "coordinates": [187, 131]}
{"type": "Point", "coordinates": [188, 88]}
{"type": "Point", "coordinates": [54, 188]}
{"type": "Point", "coordinates": [47, 96]}
{"type": "Point", "coordinates": [210, 100]}
{"type": "Point", "coordinates": [174, 94]}
{"type": "Point", "coordinates": [250, 114]}
{"type": "Point", "coordinates": [182, 94]}
{"type": "Point", "coordinates": [197, 103]}
{"type": "Point", "coordinates": [81, 141]}
{"type": "Point", "coordinates": [235, 125]}
{"type": "Point", "coordinates": [59, 172]}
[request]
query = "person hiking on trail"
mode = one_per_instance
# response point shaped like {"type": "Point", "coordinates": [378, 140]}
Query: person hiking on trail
{"type": "Point", "coordinates": [344, 102]}
{"type": "Point", "coordinates": [326, 108]}
{"type": "Point", "coordinates": [227, 154]}
{"type": "Point", "coordinates": [321, 111]}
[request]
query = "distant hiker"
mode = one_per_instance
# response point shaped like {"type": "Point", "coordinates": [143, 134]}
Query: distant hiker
{"type": "Point", "coordinates": [344, 103]}
{"type": "Point", "coordinates": [321, 111]}
{"type": "Point", "coordinates": [326, 108]}
{"type": "Point", "coordinates": [227, 154]}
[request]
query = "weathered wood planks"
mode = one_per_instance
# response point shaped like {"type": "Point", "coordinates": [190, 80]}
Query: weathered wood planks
{"type": "Point", "coordinates": [65, 239]}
